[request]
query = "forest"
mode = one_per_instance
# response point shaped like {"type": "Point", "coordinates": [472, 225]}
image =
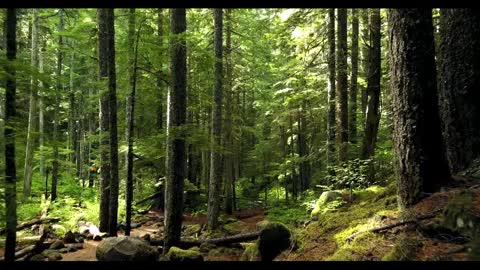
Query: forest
{"type": "Point", "coordinates": [267, 134]}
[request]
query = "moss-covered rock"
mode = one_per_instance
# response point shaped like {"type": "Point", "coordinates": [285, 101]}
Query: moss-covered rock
{"type": "Point", "coordinates": [458, 214]}
{"type": "Point", "coordinates": [206, 247]}
{"type": "Point", "coordinates": [325, 198]}
{"type": "Point", "coordinates": [355, 250]}
{"type": "Point", "coordinates": [274, 238]}
{"type": "Point", "coordinates": [222, 251]}
{"type": "Point", "coordinates": [192, 229]}
{"type": "Point", "coordinates": [404, 250]}
{"type": "Point", "coordinates": [178, 254]}
{"type": "Point", "coordinates": [251, 253]}
{"type": "Point", "coordinates": [235, 227]}
{"type": "Point", "coordinates": [474, 254]}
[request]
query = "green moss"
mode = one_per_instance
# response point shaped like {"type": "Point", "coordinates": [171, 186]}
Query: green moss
{"type": "Point", "coordinates": [235, 227]}
{"type": "Point", "coordinates": [404, 250]}
{"type": "Point", "coordinates": [251, 252]}
{"type": "Point", "coordinates": [353, 251]}
{"type": "Point", "coordinates": [221, 251]}
{"type": "Point", "coordinates": [178, 254]}
{"type": "Point", "coordinates": [474, 254]}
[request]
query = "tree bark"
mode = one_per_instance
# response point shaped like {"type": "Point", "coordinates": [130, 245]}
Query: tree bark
{"type": "Point", "coordinates": [228, 115]}
{"type": "Point", "coordinates": [216, 170]}
{"type": "Point", "coordinates": [112, 97]}
{"type": "Point", "coordinates": [160, 18]}
{"type": "Point", "coordinates": [177, 106]}
{"type": "Point", "coordinates": [32, 112]}
{"type": "Point", "coordinates": [58, 88]}
{"type": "Point", "coordinates": [458, 85]}
{"type": "Point", "coordinates": [331, 128]}
{"type": "Point", "coordinates": [10, 118]}
{"type": "Point", "coordinates": [365, 57]}
{"type": "Point", "coordinates": [104, 120]}
{"type": "Point", "coordinates": [352, 116]}
{"type": "Point", "coordinates": [420, 164]}
{"type": "Point", "coordinates": [342, 93]}
{"type": "Point", "coordinates": [41, 119]}
{"type": "Point", "coordinates": [373, 86]}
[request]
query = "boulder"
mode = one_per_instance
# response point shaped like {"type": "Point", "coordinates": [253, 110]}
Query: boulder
{"type": "Point", "coordinates": [274, 238]}
{"type": "Point", "coordinates": [52, 255]}
{"type": "Point", "coordinates": [69, 237]}
{"type": "Point", "coordinates": [58, 244]}
{"type": "Point", "coordinates": [125, 248]}
{"type": "Point", "coordinates": [325, 198]}
{"type": "Point", "coordinates": [38, 258]}
{"type": "Point", "coordinates": [184, 255]}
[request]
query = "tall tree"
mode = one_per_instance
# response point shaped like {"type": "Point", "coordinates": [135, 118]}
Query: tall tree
{"type": "Point", "coordinates": [10, 115]}
{"type": "Point", "coordinates": [352, 115]}
{"type": "Point", "coordinates": [58, 88]}
{"type": "Point", "coordinates": [112, 97]}
{"type": "Point", "coordinates": [373, 86]}
{"type": "Point", "coordinates": [102, 15]}
{"type": "Point", "coordinates": [216, 170]}
{"type": "Point", "coordinates": [331, 128]}
{"type": "Point", "coordinates": [421, 165]}
{"type": "Point", "coordinates": [229, 165]}
{"type": "Point", "coordinates": [160, 18]}
{"type": "Point", "coordinates": [365, 57]}
{"type": "Point", "coordinates": [459, 84]}
{"type": "Point", "coordinates": [342, 93]}
{"type": "Point", "coordinates": [32, 112]}
{"type": "Point", "coordinates": [177, 114]}
{"type": "Point", "coordinates": [41, 109]}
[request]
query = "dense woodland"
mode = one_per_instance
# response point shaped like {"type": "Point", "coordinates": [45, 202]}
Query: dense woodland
{"type": "Point", "coordinates": [240, 134]}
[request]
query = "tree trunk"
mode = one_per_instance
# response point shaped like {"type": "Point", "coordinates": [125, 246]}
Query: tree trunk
{"type": "Point", "coordinates": [104, 120]}
{"type": "Point", "coordinates": [177, 106]}
{"type": "Point", "coordinates": [131, 114]}
{"type": "Point", "coordinates": [112, 97]}
{"type": "Point", "coordinates": [365, 58]}
{"type": "Point", "coordinates": [58, 89]}
{"type": "Point", "coordinates": [216, 170]}
{"type": "Point", "coordinates": [373, 86]}
{"type": "Point", "coordinates": [10, 119]}
{"type": "Point", "coordinates": [32, 112]}
{"type": "Point", "coordinates": [352, 116]}
{"type": "Point", "coordinates": [159, 79]}
{"type": "Point", "coordinates": [41, 115]}
{"type": "Point", "coordinates": [228, 116]}
{"type": "Point", "coordinates": [72, 134]}
{"type": "Point", "coordinates": [342, 93]}
{"type": "Point", "coordinates": [459, 85]}
{"type": "Point", "coordinates": [331, 128]}
{"type": "Point", "coordinates": [420, 165]}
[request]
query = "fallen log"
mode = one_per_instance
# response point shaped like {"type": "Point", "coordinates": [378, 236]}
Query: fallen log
{"type": "Point", "coordinates": [34, 221]}
{"type": "Point", "coordinates": [38, 247]}
{"type": "Point", "coordinates": [223, 241]}
{"type": "Point", "coordinates": [149, 198]}
{"type": "Point", "coordinates": [397, 224]}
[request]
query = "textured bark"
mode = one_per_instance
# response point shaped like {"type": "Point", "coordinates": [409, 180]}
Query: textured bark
{"type": "Point", "coordinates": [58, 89]}
{"type": "Point", "coordinates": [130, 113]}
{"type": "Point", "coordinates": [216, 170]}
{"type": "Point", "coordinates": [459, 85]}
{"type": "Point", "coordinates": [331, 128]}
{"type": "Point", "coordinates": [373, 86]}
{"type": "Point", "coordinates": [10, 115]}
{"type": "Point", "coordinates": [303, 151]}
{"type": "Point", "coordinates": [420, 164]}
{"type": "Point", "coordinates": [177, 106]}
{"type": "Point", "coordinates": [365, 57]}
{"type": "Point", "coordinates": [104, 120]}
{"type": "Point", "coordinates": [352, 112]}
{"type": "Point", "coordinates": [229, 170]}
{"type": "Point", "coordinates": [131, 50]}
{"type": "Point", "coordinates": [342, 93]}
{"type": "Point", "coordinates": [112, 97]}
{"type": "Point", "coordinates": [32, 112]}
{"type": "Point", "coordinates": [41, 109]}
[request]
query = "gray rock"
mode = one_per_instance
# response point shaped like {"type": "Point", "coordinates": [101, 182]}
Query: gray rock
{"type": "Point", "coordinates": [63, 250]}
{"type": "Point", "coordinates": [38, 258]}
{"type": "Point", "coordinates": [69, 238]}
{"type": "Point", "coordinates": [126, 248]}
{"type": "Point", "coordinates": [52, 255]}
{"type": "Point", "coordinates": [57, 245]}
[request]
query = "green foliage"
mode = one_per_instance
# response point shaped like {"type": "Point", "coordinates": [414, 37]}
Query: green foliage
{"type": "Point", "coordinates": [352, 174]}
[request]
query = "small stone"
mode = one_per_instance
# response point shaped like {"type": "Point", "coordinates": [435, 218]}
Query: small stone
{"type": "Point", "coordinates": [69, 238]}
{"type": "Point", "coordinates": [97, 238]}
{"type": "Point", "coordinates": [37, 258]}
{"type": "Point", "coordinates": [54, 257]}
{"type": "Point", "coordinates": [81, 239]}
{"type": "Point", "coordinates": [57, 245]}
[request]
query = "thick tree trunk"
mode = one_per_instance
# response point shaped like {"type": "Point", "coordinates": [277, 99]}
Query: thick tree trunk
{"type": "Point", "coordinates": [41, 118]}
{"type": "Point", "coordinates": [352, 115]}
{"type": "Point", "coordinates": [373, 86]}
{"type": "Point", "coordinates": [112, 97]}
{"type": "Point", "coordinates": [131, 50]}
{"type": "Point", "coordinates": [342, 93]}
{"type": "Point", "coordinates": [331, 123]}
{"type": "Point", "coordinates": [32, 112]}
{"type": "Point", "coordinates": [176, 118]}
{"type": "Point", "coordinates": [459, 85]}
{"type": "Point", "coordinates": [58, 88]}
{"type": "Point", "coordinates": [229, 173]}
{"type": "Point", "coordinates": [104, 120]}
{"type": "Point", "coordinates": [10, 119]}
{"type": "Point", "coordinates": [216, 170]}
{"type": "Point", "coordinates": [420, 165]}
